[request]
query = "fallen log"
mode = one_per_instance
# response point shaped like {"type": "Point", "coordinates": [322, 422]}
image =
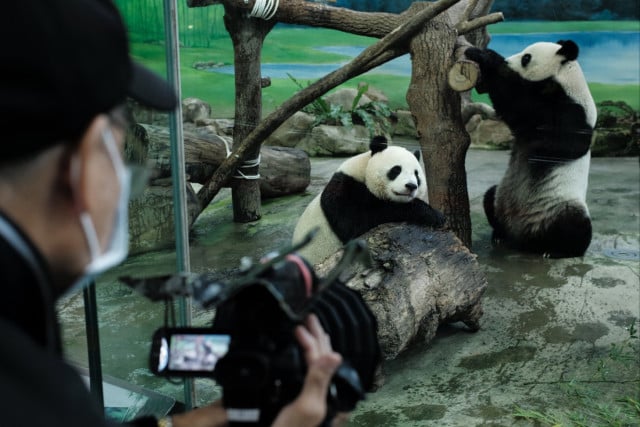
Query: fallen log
{"type": "Point", "coordinates": [419, 280]}
{"type": "Point", "coordinates": [151, 223]}
{"type": "Point", "coordinates": [283, 170]}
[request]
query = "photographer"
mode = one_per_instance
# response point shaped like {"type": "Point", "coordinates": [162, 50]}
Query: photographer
{"type": "Point", "coordinates": [63, 206]}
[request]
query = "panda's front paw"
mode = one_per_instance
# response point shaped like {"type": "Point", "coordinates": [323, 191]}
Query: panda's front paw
{"type": "Point", "coordinates": [438, 220]}
{"type": "Point", "coordinates": [484, 57]}
{"type": "Point", "coordinates": [473, 54]}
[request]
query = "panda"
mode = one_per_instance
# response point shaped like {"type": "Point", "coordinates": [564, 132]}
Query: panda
{"type": "Point", "coordinates": [543, 97]}
{"type": "Point", "coordinates": [385, 184]}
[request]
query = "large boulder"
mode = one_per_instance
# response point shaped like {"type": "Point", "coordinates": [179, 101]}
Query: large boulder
{"type": "Point", "coordinates": [345, 97]}
{"type": "Point", "coordinates": [325, 140]}
{"type": "Point", "coordinates": [617, 130]}
{"type": "Point", "coordinates": [292, 131]}
{"type": "Point", "coordinates": [616, 142]}
{"type": "Point", "coordinates": [373, 93]}
{"type": "Point", "coordinates": [222, 127]}
{"type": "Point", "coordinates": [405, 125]}
{"type": "Point", "coordinates": [489, 133]}
{"type": "Point", "coordinates": [194, 109]}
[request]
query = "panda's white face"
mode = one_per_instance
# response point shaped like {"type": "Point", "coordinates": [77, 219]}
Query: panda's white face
{"type": "Point", "coordinates": [395, 174]}
{"type": "Point", "coordinates": [538, 61]}
{"type": "Point", "coordinates": [545, 60]}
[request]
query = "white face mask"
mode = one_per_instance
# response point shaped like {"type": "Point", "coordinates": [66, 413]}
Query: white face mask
{"type": "Point", "coordinates": [118, 246]}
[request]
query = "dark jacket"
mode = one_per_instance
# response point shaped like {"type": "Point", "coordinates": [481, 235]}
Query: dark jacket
{"type": "Point", "coordinates": [37, 388]}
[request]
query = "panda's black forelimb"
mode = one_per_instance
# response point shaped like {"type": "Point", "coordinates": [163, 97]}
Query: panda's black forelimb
{"type": "Point", "coordinates": [490, 212]}
{"type": "Point", "coordinates": [351, 209]}
{"type": "Point", "coordinates": [541, 115]}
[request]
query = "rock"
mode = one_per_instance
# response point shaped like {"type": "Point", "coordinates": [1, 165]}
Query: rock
{"type": "Point", "coordinates": [405, 125]}
{"type": "Point", "coordinates": [144, 114]}
{"type": "Point", "coordinates": [225, 126]}
{"type": "Point", "coordinates": [616, 142]}
{"type": "Point", "coordinates": [207, 65]}
{"type": "Point", "coordinates": [617, 130]}
{"type": "Point", "coordinates": [325, 140]}
{"type": "Point", "coordinates": [489, 133]}
{"type": "Point", "coordinates": [345, 97]}
{"type": "Point", "coordinates": [420, 279]}
{"type": "Point", "coordinates": [284, 171]}
{"type": "Point", "coordinates": [373, 93]}
{"type": "Point", "coordinates": [194, 109]}
{"type": "Point", "coordinates": [292, 131]}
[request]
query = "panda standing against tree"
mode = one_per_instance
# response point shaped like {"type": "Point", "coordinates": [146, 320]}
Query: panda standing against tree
{"type": "Point", "coordinates": [542, 95]}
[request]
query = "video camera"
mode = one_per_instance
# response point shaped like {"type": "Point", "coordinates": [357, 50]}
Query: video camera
{"type": "Point", "coordinates": [250, 349]}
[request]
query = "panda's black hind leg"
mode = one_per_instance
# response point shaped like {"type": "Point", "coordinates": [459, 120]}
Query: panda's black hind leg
{"type": "Point", "coordinates": [490, 212]}
{"type": "Point", "coordinates": [569, 236]}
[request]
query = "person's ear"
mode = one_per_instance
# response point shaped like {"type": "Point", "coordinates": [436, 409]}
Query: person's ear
{"type": "Point", "coordinates": [83, 163]}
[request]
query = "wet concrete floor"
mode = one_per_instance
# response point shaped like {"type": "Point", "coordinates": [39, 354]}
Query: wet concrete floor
{"type": "Point", "coordinates": [548, 326]}
{"type": "Point", "coordinates": [547, 331]}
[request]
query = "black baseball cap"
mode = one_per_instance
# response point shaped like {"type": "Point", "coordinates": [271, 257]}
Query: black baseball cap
{"type": "Point", "coordinates": [62, 62]}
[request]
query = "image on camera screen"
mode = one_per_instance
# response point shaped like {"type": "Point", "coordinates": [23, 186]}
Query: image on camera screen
{"type": "Point", "coordinates": [191, 352]}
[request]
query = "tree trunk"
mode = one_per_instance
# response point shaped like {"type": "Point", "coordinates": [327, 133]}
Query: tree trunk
{"type": "Point", "coordinates": [247, 35]}
{"type": "Point", "coordinates": [419, 280]}
{"type": "Point", "coordinates": [436, 110]}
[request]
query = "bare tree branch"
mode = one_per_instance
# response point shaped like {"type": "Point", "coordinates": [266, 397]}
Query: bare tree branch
{"type": "Point", "coordinates": [300, 12]}
{"type": "Point", "coordinates": [376, 54]}
{"type": "Point", "coordinates": [469, 10]}
{"type": "Point", "coordinates": [392, 45]}
{"type": "Point", "coordinates": [466, 26]}
{"type": "Point", "coordinates": [471, 109]}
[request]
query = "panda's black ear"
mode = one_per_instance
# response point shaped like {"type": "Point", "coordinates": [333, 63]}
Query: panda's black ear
{"type": "Point", "coordinates": [378, 143]}
{"type": "Point", "coordinates": [569, 50]}
{"type": "Point", "coordinates": [417, 154]}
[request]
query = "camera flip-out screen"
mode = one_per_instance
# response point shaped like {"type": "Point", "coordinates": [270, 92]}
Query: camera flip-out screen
{"type": "Point", "coordinates": [187, 351]}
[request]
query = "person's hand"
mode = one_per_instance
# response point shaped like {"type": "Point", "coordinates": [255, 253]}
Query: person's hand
{"type": "Point", "coordinates": [310, 407]}
{"type": "Point", "coordinates": [213, 415]}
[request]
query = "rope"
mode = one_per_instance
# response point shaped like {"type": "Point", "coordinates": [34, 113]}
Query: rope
{"type": "Point", "coordinates": [264, 9]}
{"type": "Point", "coordinates": [256, 162]}
{"type": "Point", "coordinates": [248, 164]}
{"type": "Point", "coordinates": [226, 145]}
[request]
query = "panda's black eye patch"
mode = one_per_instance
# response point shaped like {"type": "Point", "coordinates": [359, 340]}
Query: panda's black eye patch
{"type": "Point", "coordinates": [417, 178]}
{"type": "Point", "coordinates": [394, 172]}
{"type": "Point", "coordinates": [526, 58]}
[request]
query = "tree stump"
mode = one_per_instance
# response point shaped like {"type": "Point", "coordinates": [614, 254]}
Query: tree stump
{"type": "Point", "coordinates": [420, 279]}
{"type": "Point", "coordinates": [463, 75]}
